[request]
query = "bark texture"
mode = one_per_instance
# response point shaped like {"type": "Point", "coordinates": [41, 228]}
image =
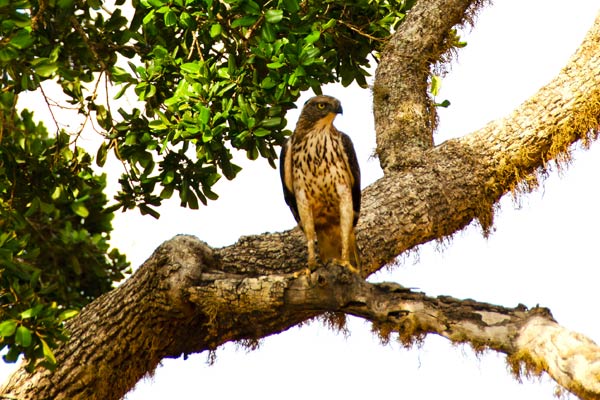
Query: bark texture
{"type": "Point", "coordinates": [405, 116]}
{"type": "Point", "coordinates": [190, 298]}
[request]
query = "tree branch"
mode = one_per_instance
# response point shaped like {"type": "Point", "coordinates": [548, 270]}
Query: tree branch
{"type": "Point", "coordinates": [180, 302]}
{"type": "Point", "coordinates": [570, 358]}
{"type": "Point", "coordinates": [544, 127]}
{"type": "Point", "coordinates": [533, 341]}
{"type": "Point", "coordinates": [125, 333]}
{"type": "Point", "coordinates": [405, 116]}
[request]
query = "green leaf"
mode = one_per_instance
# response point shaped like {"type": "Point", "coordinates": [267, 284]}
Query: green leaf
{"type": "Point", "coordinates": [170, 18]}
{"type": "Point", "coordinates": [21, 40]}
{"type": "Point", "coordinates": [102, 154]}
{"type": "Point", "coordinates": [275, 65]}
{"type": "Point", "coordinates": [67, 314]}
{"type": "Point", "coordinates": [32, 312]}
{"type": "Point", "coordinates": [445, 104]}
{"type": "Point", "coordinates": [312, 37]}
{"type": "Point", "coordinates": [291, 5]}
{"type": "Point", "coordinates": [187, 21]}
{"type": "Point", "coordinates": [80, 209]}
{"type": "Point", "coordinates": [131, 139]}
{"type": "Point", "coordinates": [215, 30]}
{"type": "Point", "coordinates": [95, 4]}
{"type": "Point", "coordinates": [148, 93]}
{"type": "Point", "coordinates": [261, 132]}
{"type": "Point", "coordinates": [8, 327]}
{"type": "Point", "coordinates": [192, 200]}
{"type": "Point", "coordinates": [56, 193]}
{"type": "Point", "coordinates": [48, 354]}
{"type": "Point", "coordinates": [33, 207]}
{"type": "Point", "coordinates": [223, 73]}
{"type": "Point", "coordinates": [153, 3]}
{"type": "Point", "coordinates": [251, 7]}
{"type": "Point", "coordinates": [144, 209]}
{"type": "Point", "coordinates": [308, 55]}
{"type": "Point", "coordinates": [273, 16]}
{"type": "Point", "coordinates": [209, 193]}
{"type": "Point", "coordinates": [121, 75]}
{"type": "Point", "coordinates": [157, 124]}
{"type": "Point", "coordinates": [268, 33]}
{"type": "Point", "coordinates": [191, 68]}
{"type": "Point", "coordinates": [244, 21]}
{"type": "Point", "coordinates": [252, 153]}
{"type": "Point", "coordinates": [169, 177]}
{"type": "Point", "coordinates": [65, 4]}
{"type": "Point", "coordinates": [436, 83]}
{"type": "Point", "coordinates": [45, 68]}
{"type": "Point", "coordinates": [268, 83]}
{"type": "Point", "coordinates": [230, 170]}
{"type": "Point", "coordinates": [204, 115]}
{"type": "Point", "coordinates": [167, 192]}
{"type": "Point", "coordinates": [272, 122]}
{"type": "Point", "coordinates": [149, 17]}
{"type": "Point", "coordinates": [122, 91]}
{"type": "Point", "coordinates": [23, 336]}
{"type": "Point", "coordinates": [329, 24]}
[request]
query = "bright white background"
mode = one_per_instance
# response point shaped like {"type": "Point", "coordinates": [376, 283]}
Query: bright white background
{"type": "Point", "coordinates": [543, 250]}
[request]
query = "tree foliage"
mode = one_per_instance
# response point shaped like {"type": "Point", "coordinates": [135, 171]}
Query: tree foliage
{"type": "Point", "coordinates": [221, 75]}
{"type": "Point", "coordinates": [208, 77]}
{"type": "Point", "coordinates": [54, 249]}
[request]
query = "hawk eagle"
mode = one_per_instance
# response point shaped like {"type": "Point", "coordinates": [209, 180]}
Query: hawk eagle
{"type": "Point", "coordinates": [321, 183]}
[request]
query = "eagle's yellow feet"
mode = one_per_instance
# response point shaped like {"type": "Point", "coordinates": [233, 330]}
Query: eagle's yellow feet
{"type": "Point", "coordinates": [302, 272]}
{"type": "Point", "coordinates": [346, 264]}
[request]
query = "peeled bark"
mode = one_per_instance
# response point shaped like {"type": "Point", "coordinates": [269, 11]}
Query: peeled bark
{"type": "Point", "coordinates": [189, 298]}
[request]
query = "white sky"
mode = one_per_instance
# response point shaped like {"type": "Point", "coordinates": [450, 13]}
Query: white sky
{"type": "Point", "coordinates": [543, 251]}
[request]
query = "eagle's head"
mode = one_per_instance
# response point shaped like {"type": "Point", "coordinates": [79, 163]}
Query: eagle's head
{"type": "Point", "coordinates": [320, 109]}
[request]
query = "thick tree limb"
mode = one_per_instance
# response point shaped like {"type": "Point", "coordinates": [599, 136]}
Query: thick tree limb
{"type": "Point", "coordinates": [534, 342]}
{"type": "Point", "coordinates": [405, 116]}
{"type": "Point", "coordinates": [125, 333]}
{"type": "Point", "coordinates": [180, 302]}
{"type": "Point", "coordinates": [570, 358]}
{"type": "Point", "coordinates": [189, 298]}
{"type": "Point", "coordinates": [543, 128]}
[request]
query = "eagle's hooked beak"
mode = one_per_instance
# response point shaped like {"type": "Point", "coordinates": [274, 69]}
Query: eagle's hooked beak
{"type": "Point", "coordinates": [339, 109]}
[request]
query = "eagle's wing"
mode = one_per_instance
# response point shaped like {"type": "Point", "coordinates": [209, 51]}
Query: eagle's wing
{"type": "Point", "coordinates": [355, 171]}
{"type": "Point", "coordinates": [287, 177]}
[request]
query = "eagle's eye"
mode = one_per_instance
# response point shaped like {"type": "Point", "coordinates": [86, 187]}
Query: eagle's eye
{"type": "Point", "coordinates": [321, 106]}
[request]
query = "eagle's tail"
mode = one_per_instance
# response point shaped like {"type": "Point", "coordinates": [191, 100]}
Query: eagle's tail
{"type": "Point", "coordinates": [330, 246]}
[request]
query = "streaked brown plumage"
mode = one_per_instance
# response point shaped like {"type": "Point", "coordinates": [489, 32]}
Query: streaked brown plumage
{"type": "Point", "coordinates": [321, 183]}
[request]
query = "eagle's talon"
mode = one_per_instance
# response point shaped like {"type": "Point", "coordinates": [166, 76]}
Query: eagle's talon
{"type": "Point", "coordinates": [347, 265]}
{"type": "Point", "coordinates": [302, 272]}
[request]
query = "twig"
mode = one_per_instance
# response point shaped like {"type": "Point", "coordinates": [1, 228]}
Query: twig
{"type": "Point", "coordinates": [38, 15]}
{"type": "Point", "coordinates": [357, 30]}
{"type": "Point", "coordinates": [50, 109]}
{"type": "Point", "coordinates": [86, 39]}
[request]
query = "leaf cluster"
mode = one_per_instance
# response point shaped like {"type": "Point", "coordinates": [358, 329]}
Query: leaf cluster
{"type": "Point", "coordinates": [214, 76]}
{"type": "Point", "coordinates": [210, 76]}
{"type": "Point", "coordinates": [54, 232]}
